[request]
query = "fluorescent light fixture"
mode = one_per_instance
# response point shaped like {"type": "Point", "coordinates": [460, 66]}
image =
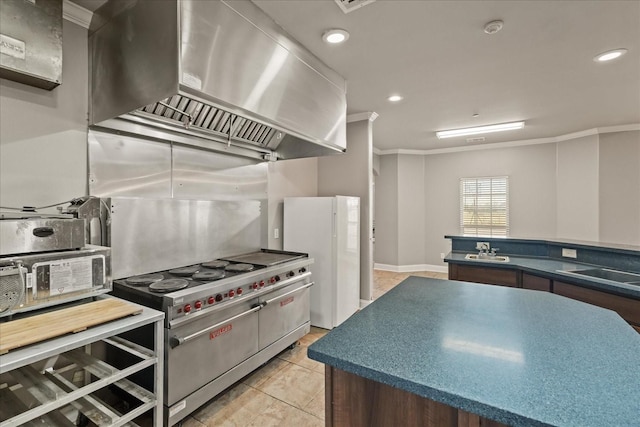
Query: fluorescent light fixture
{"type": "Point", "coordinates": [335, 36]}
{"type": "Point", "coordinates": [609, 55]}
{"type": "Point", "coordinates": [394, 98]}
{"type": "Point", "coordinates": [479, 129]}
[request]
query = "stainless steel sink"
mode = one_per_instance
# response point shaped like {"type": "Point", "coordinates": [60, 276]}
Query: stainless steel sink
{"type": "Point", "coordinates": [490, 258]}
{"type": "Point", "coordinates": [607, 274]}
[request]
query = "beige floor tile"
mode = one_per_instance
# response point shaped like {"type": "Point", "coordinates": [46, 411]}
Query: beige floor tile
{"type": "Point", "coordinates": [294, 385]}
{"type": "Point", "coordinates": [192, 422]}
{"type": "Point", "coordinates": [279, 414]}
{"type": "Point", "coordinates": [316, 406]}
{"type": "Point", "coordinates": [265, 372]}
{"type": "Point", "coordinates": [314, 335]}
{"type": "Point", "coordinates": [236, 407]}
{"type": "Point", "coordinates": [298, 355]}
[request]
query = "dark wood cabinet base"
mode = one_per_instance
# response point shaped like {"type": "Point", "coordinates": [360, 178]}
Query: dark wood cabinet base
{"type": "Point", "coordinates": [354, 401]}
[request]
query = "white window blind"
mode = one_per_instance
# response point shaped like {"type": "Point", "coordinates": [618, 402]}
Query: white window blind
{"type": "Point", "coordinates": [484, 206]}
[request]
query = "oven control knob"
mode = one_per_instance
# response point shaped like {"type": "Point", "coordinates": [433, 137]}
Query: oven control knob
{"type": "Point", "coordinates": [291, 274]}
{"type": "Point", "coordinates": [272, 280]}
{"type": "Point", "coordinates": [239, 291]}
{"type": "Point", "coordinates": [255, 285]}
{"type": "Point", "coordinates": [198, 305]}
{"type": "Point", "coordinates": [211, 300]}
{"type": "Point", "coordinates": [232, 293]}
{"type": "Point", "coordinates": [277, 278]}
{"type": "Point", "coordinates": [303, 270]}
{"type": "Point", "coordinates": [261, 283]}
{"type": "Point", "coordinates": [218, 298]}
{"type": "Point", "coordinates": [187, 308]}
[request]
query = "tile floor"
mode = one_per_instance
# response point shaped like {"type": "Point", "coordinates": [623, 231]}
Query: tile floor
{"type": "Point", "coordinates": [289, 389]}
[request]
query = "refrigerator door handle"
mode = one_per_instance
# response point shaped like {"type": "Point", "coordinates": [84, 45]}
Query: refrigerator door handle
{"type": "Point", "coordinates": [334, 232]}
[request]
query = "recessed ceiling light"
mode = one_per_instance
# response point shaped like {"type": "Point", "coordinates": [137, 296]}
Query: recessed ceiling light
{"type": "Point", "coordinates": [609, 55]}
{"type": "Point", "coordinates": [479, 129]}
{"type": "Point", "coordinates": [335, 36]}
{"type": "Point", "coordinates": [394, 98]}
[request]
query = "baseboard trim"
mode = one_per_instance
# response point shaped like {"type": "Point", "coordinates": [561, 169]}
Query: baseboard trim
{"type": "Point", "coordinates": [364, 303]}
{"type": "Point", "coordinates": [410, 268]}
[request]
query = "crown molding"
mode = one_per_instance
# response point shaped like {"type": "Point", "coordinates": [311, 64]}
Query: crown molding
{"type": "Point", "coordinates": [76, 14]}
{"type": "Point", "coordinates": [567, 137]}
{"type": "Point", "coordinates": [369, 115]}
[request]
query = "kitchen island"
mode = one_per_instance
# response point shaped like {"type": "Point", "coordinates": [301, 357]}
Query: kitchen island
{"type": "Point", "coordinates": [438, 352]}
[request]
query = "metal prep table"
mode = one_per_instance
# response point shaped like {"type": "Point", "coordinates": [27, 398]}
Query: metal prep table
{"type": "Point", "coordinates": [42, 389]}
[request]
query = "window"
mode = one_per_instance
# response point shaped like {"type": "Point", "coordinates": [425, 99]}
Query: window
{"type": "Point", "coordinates": [484, 206]}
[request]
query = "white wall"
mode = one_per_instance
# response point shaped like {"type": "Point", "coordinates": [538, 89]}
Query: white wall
{"type": "Point", "coordinates": [288, 178]}
{"type": "Point", "coordinates": [386, 207]}
{"type": "Point", "coordinates": [531, 172]}
{"type": "Point", "coordinates": [619, 183]}
{"type": "Point", "coordinates": [578, 189]}
{"type": "Point", "coordinates": [43, 134]}
{"type": "Point", "coordinates": [411, 210]}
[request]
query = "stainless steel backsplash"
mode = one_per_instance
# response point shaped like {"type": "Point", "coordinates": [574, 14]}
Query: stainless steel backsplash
{"type": "Point", "coordinates": [172, 205]}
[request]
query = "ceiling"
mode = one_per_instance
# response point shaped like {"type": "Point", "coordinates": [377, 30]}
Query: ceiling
{"type": "Point", "coordinates": [539, 68]}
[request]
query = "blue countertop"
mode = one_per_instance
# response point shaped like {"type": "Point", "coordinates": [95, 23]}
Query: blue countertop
{"type": "Point", "coordinates": [520, 357]}
{"type": "Point", "coordinates": [553, 269]}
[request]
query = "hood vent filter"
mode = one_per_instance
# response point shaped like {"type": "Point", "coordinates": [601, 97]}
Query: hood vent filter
{"type": "Point", "coordinates": [195, 115]}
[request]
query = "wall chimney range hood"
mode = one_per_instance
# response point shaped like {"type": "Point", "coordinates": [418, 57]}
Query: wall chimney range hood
{"type": "Point", "coordinates": [216, 75]}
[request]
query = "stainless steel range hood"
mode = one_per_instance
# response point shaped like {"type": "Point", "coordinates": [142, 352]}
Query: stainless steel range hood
{"type": "Point", "coordinates": [218, 75]}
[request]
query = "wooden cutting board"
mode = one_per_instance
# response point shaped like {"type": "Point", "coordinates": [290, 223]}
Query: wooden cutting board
{"type": "Point", "coordinates": [18, 333]}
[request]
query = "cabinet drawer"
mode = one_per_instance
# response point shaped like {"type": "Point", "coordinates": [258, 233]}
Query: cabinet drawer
{"type": "Point", "coordinates": [627, 308]}
{"type": "Point", "coordinates": [537, 283]}
{"type": "Point", "coordinates": [492, 276]}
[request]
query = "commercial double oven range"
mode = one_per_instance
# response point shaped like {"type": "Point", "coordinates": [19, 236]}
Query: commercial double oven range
{"type": "Point", "coordinates": [224, 319]}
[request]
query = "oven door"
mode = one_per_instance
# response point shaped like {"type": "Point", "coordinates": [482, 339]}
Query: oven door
{"type": "Point", "coordinates": [283, 311]}
{"type": "Point", "coordinates": [201, 351]}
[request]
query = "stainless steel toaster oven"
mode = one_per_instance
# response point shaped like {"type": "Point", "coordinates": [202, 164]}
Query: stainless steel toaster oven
{"type": "Point", "coordinates": [37, 280]}
{"type": "Point", "coordinates": [44, 261]}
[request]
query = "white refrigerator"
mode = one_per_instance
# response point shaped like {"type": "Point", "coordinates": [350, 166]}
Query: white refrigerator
{"type": "Point", "coordinates": [328, 229]}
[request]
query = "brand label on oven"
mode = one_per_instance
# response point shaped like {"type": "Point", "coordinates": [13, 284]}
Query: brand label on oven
{"type": "Point", "coordinates": [221, 331]}
{"type": "Point", "coordinates": [286, 301]}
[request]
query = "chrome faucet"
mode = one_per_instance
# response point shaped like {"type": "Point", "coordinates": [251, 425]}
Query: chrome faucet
{"type": "Point", "coordinates": [484, 250]}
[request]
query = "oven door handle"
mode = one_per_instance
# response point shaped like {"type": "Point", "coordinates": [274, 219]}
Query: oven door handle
{"type": "Point", "coordinates": [176, 341]}
{"type": "Point", "coordinates": [269, 301]}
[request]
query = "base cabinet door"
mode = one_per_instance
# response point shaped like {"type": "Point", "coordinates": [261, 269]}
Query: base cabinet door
{"type": "Point", "coordinates": [355, 401]}
{"type": "Point", "coordinates": [627, 308]}
{"type": "Point", "coordinates": [537, 283]}
{"type": "Point", "coordinates": [492, 276]}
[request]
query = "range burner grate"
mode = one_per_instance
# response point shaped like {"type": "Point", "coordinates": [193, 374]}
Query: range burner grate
{"type": "Point", "coordinates": [168, 285]}
{"type": "Point", "coordinates": [185, 271]}
{"type": "Point", "coordinates": [215, 264]}
{"type": "Point", "coordinates": [144, 280]}
{"type": "Point", "coordinates": [208, 275]}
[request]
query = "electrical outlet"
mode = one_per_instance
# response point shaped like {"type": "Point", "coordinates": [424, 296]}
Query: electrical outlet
{"type": "Point", "coordinates": [483, 245]}
{"type": "Point", "coordinates": [569, 253]}
{"type": "Point", "coordinates": [276, 233]}
{"type": "Point", "coordinates": [441, 255]}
